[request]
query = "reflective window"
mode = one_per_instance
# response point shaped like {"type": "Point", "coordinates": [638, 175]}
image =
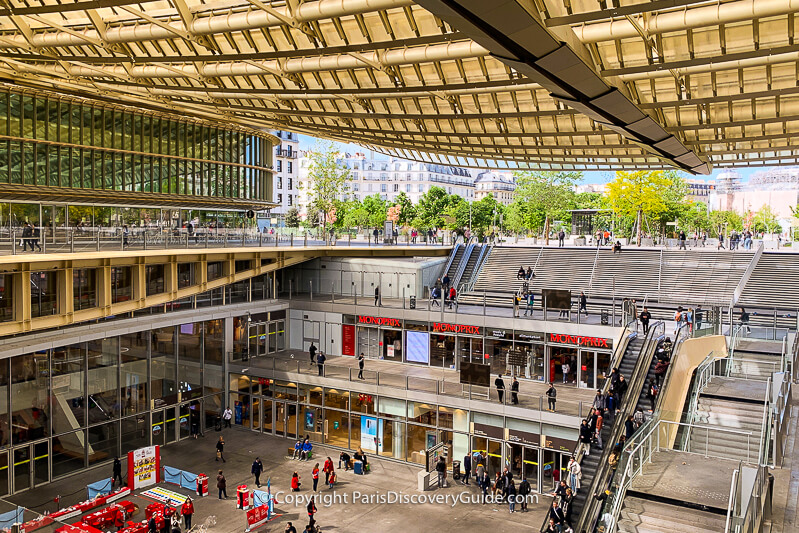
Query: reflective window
{"type": "Point", "coordinates": [133, 371]}
{"type": "Point", "coordinates": [30, 413]}
{"type": "Point", "coordinates": [103, 383]}
{"type": "Point", "coordinates": [121, 284]}
{"type": "Point", "coordinates": [84, 288]}
{"type": "Point", "coordinates": [44, 294]}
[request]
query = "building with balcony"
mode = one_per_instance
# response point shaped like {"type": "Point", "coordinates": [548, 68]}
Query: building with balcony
{"type": "Point", "coordinates": [286, 179]}
{"type": "Point", "coordinates": [500, 186]}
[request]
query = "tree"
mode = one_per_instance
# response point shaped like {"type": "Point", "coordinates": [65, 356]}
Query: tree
{"type": "Point", "coordinates": [432, 208]}
{"type": "Point", "coordinates": [293, 218]}
{"type": "Point", "coordinates": [327, 178]}
{"type": "Point", "coordinates": [645, 193]}
{"type": "Point", "coordinates": [722, 221]}
{"type": "Point", "coordinates": [548, 193]}
{"type": "Point", "coordinates": [765, 220]}
{"type": "Point", "coordinates": [407, 211]}
{"type": "Point", "coordinates": [377, 210]}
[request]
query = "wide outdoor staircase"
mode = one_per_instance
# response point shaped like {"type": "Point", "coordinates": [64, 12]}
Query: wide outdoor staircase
{"type": "Point", "coordinates": [640, 515]}
{"type": "Point", "coordinates": [768, 286]}
{"type": "Point", "coordinates": [743, 416]}
{"type": "Point", "coordinates": [675, 276]}
{"type": "Point", "coordinates": [590, 463]}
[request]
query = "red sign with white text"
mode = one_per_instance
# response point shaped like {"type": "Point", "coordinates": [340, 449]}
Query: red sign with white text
{"type": "Point", "coordinates": [347, 339]}
{"type": "Point", "coordinates": [380, 321]}
{"type": "Point", "coordinates": [443, 327]}
{"type": "Point", "coordinates": [581, 340]}
{"type": "Point", "coordinates": [257, 516]}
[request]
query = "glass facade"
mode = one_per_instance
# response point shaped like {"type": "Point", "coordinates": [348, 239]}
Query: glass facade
{"type": "Point", "coordinates": [55, 142]}
{"type": "Point", "coordinates": [74, 406]}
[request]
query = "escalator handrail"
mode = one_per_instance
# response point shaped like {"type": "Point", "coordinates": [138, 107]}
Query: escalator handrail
{"type": "Point", "coordinates": [589, 514]}
{"type": "Point", "coordinates": [626, 336]}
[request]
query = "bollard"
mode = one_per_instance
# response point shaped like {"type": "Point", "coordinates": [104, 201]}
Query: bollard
{"type": "Point", "coordinates": [98, 239]}
{"type": "Point", "coordinates": [71, 240]}
{"type": "Point", "coordinates": [305, 240]}
{"type": "Point", "coordinates": [144, 238]}
{"type": "Point", "coordinates": [13, 242]}
{"type": "Point", "coordinates": [206, 239]}
{"type": "Point", "coordinates": [260, 239]}
{"type": "Point", "coordinates": [292, 239]}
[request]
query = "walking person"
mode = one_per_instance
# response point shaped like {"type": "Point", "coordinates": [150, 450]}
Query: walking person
{"type": "Point", "coordinates": [523, 491]}
{"type": "Point", "coordinates": [467, 467]}
{"type": "Point", "coordinates": [320, 362]}
{"type": "Point", "coordinates": [575, 475]}
{"type": "Point", "coordinates": [361, 359]}
{"type": "Point", "coordinates": [514, 391]}
{"type": "Point", "coordinates": [312, 353]}
{"type": "Point", "coordinates": [377, 296]}
{"type": "Point", "coordinates": [256, 469]}
{"type": "Point", "coordinates": [315, 476]}
{"type": "Point", "coordinates": [511, 495]}
{"type": "Point", "coordinates": [530, 304]}
{"type": "Point", "coordinates": [220, 449]}
{"type": "Point", "coordinates": [645, 317]}
{"type": "Point", "coordinates": [721, 241]}
{"type": "Point", "coordinates": [221, 484]}
{"type": "Point", "coordinates": [227, 416]}
{"type": "Point", "coordinates": [600, 420]}
{"type": "Point", "coordinates": [328, 469]}
{"type": "Point", "coordinates": [652, 393]}
{"type": "Point", "coordinates": [585, 436]}
{"type": "Point", "coordinates": [441, 469]}
{"type": "Point", "coordinates": [583, 304]}
{"type": "Point", "coordinates": [552, 395]}
{"type": "Point", "coordinates": [682, 240]}
{"type": "Point", "coordinates": [499, 383]}
{"type": "Point", "coordinates": [561, 238]}
{"type": "Point", "coordinates": [187, 510]}
{"type": "Point", "coordinates": [311, 508]}
{"type": "Point", "coordinates": [117, 472]}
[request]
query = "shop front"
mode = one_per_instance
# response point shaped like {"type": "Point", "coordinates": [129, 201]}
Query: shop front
{"type": "Point", "coordinates": [379, 337]}
{"type": "Point", "coordinates": [556, 454]}
{"type": "Point", "coordinates": [578, 360]}
{"type": "Point", "coordinates": [523, 450]}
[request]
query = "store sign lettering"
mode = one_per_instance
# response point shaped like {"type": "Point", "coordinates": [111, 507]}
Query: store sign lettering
{"type": "Point", "coordinates": [579, 340]}
{"type": "Point", "coordinates": [441, 327]}
{"type": "Point", "coordinates": [380, 321]}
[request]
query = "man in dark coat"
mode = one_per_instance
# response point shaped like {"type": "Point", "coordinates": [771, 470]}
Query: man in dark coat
{"type": "Point", "coordinates": [500, 385]}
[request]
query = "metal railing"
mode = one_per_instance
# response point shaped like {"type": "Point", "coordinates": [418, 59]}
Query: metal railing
{"type": "Point", "coordinates": [409, 382]}
{"type": "Point", "coordinates": [650, 438]}
{"type": "Point", "coordinates": [707, 369]}
{"type": "Point", "coordinates": [746, 512]}
{"type": "Point", "coordinates": [590, 513]}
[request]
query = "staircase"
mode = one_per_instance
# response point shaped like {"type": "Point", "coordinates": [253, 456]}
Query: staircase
{"type": "Point", "coordinates": [647, 516]}
{"type": "Point", "coordinates": [754, 365]}
{"type": "Point", "coordinates": [727, 413]}
{"type": "Point", "coordinates": [766, 286]}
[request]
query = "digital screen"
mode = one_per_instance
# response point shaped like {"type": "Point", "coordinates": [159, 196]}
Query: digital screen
{"type": "Point", "coordinates": [475, 374]}
{"type": "Point", "coordinates": [417, 347]}
{"type": "Point", "coordinates": [187, 329]}
{"type": "Point", "coordinates": [557, 299]}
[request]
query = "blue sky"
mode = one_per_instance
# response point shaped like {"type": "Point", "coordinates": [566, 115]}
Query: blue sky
{"type": "Point", "coordinates": [307, 142]}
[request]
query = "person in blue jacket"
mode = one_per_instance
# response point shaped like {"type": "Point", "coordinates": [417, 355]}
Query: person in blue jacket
{"type": "Point", "coordinates": [297, 450]}
{"type": "Point", "coordinates": [306, 450]}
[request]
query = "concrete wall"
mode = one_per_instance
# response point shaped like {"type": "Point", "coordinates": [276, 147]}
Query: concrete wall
{"type": "Point", "coordinates": [346, 276]}
{"type": "Point", "coordinates": [324, 329]}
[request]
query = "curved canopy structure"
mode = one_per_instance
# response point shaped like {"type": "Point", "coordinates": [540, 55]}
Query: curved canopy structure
{"type": "Point", "coordinates": [551, 84]}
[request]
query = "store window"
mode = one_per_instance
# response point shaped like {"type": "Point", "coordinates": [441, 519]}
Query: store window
{"type": "Point", "coordinates": [133, 372]}
{"type": "Point", "coordinates": [337, 428]}
{"type": "Point", "coordinates": [163, 367]}
{"type": "Point", "coordinates": [67, 382]}
{"type": "Point", "coordinates": [154, 277]}
{"type": "Point", "coordinates": [214, 270]}
{"type": "Point", "coordinates": [185, 275]}
{"type": "Point", "coordinates": [337, 399]}
{"type": "Point", "coordinates": [422, 413]}
{"type": "Point", "coordinates": [44, 293]}
{"type": "Point", "coordinates": [103, 386]}
{"type": "Point", "coordinates": [84, 288]}
{"type": "Point", "coordinates": [121, 284]}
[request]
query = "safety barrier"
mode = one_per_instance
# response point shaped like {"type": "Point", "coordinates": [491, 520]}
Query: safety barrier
{"type": "Point", "coordinates": [104, 486]}
{"type": "Point", "coordinates": [184, 479]}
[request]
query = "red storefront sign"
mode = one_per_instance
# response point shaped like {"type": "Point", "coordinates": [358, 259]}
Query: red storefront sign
{"type": "Point", "coordinates": [580, 340]}
{"type": "Point", "coordinates": [380, 321]}
{"type": "Point", "coordinates": [443, 327]}
{"type": "Point", "coordinates": [347, 339]}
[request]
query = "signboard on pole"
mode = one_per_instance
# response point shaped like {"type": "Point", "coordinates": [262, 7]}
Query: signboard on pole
{"type": "Point", "coordinates": [144, 467]}
{"type": "Point", "coordinates": [257, 516]}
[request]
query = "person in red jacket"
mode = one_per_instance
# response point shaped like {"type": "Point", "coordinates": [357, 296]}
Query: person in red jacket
{"type": "Point", "coordinates": [315, 474]}
{"type": "Point", "coordinates": [187, 509]}
{"type": "Point", "coordinates": [295, 482]}
{"type": "Point", "coordinates": [119, 518]}
{"type": "Point", "coordinates": [328, 469]}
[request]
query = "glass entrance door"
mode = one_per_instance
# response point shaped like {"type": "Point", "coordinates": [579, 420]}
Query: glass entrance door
{"type": "Point", "coordinates": [31, 466]}
{"type": "Point", "coordinates": [267, 416]}
{"type": "Point", "coordinates": [368, 342]}
{"type": "Point", "coordinates": [493, 448]}
{"type": "Point", "coordinates": [184, 422]}
{"type": "Point", "coordinates": [514, 459]}
{"type": "Point", "coordinates": [280, 418]}
{"type": "Point", "coordinates": [158, 428]}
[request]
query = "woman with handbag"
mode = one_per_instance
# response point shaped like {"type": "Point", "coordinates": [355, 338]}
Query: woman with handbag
{"type": "Point", "coordinates": [220, 448]}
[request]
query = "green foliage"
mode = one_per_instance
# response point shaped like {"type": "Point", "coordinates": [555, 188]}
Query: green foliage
{"type": "Point", "coordinates": [543, 196]}
{"type": "Point", "coordinates": [293, 218]}
{"type": "Point", "coordinates": [765, 220]}
{"type": "Point", "coordinates": [407, 209]}
{"type": "Point", "coordinates": [433, 207]}
{"type": "Point", "coordinates": [721, 221]}
{"type": "Point", "coordinates": [327, 178]}
{"type": "Point", "coordinates": [376, 209]}
{"type": "Point", "coordinates": [655, 194]}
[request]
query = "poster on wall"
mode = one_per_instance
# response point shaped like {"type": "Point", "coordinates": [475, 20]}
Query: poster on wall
{"type": "Point", "coordinates": [369, 439]}
{"type": "Point", "coordinates": [348, 339]}
{"type": "Point", "coordinates": [417, 347]}
{"type": "Point", "coordinates": [144, 467]}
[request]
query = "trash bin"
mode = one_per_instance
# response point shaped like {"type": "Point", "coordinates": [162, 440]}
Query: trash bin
{"type": "Point", "coordinates": [456, 470]}
{"type": "Point", "coordinates": [202, 485]}
{"type": "Point", "coordinates": [412, 301]}
{"type": "Point", "coordinates": [218, 423]}
{"type": "Point", "coordinates": [357, 468]}
{"type": "Point", "coordinates": [242, 497]}
{"type": "Point", "coordinates": [604, 317]}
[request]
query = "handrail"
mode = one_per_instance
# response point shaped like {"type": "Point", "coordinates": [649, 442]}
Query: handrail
{"type": "Point", "coordinates": [452, 255]}
{"type": "Point", "coordinates": [739, 289]}
{"type": "Point", "coordinates": [762, 453]}
{"type": "Point", "coordinates": [593, 268]}
{"type": "Point", "coordinates": [535, 266]}
{"type": "Point", "coordinates": [621, 349]}
{"type": "Point", "coordinates": [704, 373]}
{"type": "Point", "coordinates": [589, 514]}
{"type": "Point", "coordinates": [467, 252]}
{"type": "Point", "coordinates": [733, 495]}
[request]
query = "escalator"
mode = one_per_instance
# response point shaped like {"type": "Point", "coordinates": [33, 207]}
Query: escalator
{"type": "Point", "coordinates": [640, 368]}
{"type": "Point", "coordinates": [471, 264]}
{"type": "Point", "coordinates": [590, 463]}
{"type": "Point", "coordinates": [454, 262]}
